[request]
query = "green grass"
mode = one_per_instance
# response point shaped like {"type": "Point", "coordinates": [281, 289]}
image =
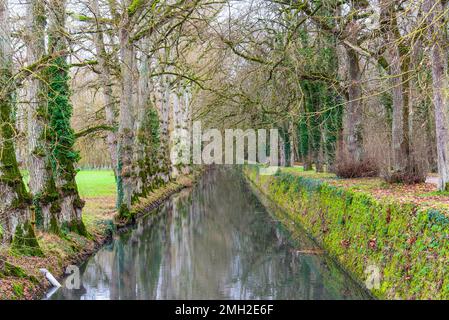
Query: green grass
{"type": "Point", "coordinates": [435, 193]}
{"type": "Point", "coordinates": [96, 183]}
{"type": "Point", "coordinates": [91, 183]}
{"type": "Point", "coordinates": [294, 169]}
{"type": "Point", "coordinates": [299, 170]}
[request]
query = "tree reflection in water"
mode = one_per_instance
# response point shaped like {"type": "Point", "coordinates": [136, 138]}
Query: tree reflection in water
{"type": "Point", "coordinates": [215, 241]}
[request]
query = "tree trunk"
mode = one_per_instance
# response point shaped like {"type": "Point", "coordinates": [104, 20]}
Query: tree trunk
{"type": "Point", "coordinates": [140, 129]}
{"type": "Point", "coordinates": [15, 213]}
{"type": "Point", "coordinates": [437, 41]}
{"type": "Point", "coordinates": [282, 158]}
{"type": "Point", "coordinates": [180, 134]}
{"type": "Point", "coordinates": [160, 101]}
{"type": "Point", "coordinates": [293, 143]}
{"type": "Point", "coordinates": [42, 183]}
{"type": "Point", "coordinates": [353, 123]}
{"type": "Point", "coordinates": [126, 122]}
{"type": "Point", "coordinates": [323, 156]}
{"type": "Point", "coordinates": [106, 84]}
{"type": "Point", "coordinates": [397, 130]}
{"type": "Point", "coordinates": [164, 112]}
{"type": "Point", "coordinates": [399, 61]}
{"type": "Point", "coordinates": [186, 124]}
{"type": "Point", "coordinates": [175, 138]}
{"type": "Point", "coordinates": [308, 161]}
{"type": "Point", "coordinates": [147, 127]}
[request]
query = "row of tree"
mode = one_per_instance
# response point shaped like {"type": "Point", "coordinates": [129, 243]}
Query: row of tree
{"type": "Point", "coordinates": [358, 87]}
{"type": "Point", "coordinates": [134, 48]}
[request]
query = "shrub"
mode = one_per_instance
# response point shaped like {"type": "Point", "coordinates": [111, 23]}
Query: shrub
{"type": "Point", "coordinates": [356, 169]}
{"type": "Point", "coordinates": [407, 177]}
{"type": "Point", "coordinates": [414, 173]}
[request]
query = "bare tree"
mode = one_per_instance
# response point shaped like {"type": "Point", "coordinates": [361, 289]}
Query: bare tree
{"type": "Point", "coordinates": [106, 83]}
{"type": "Point", "coordinates": [438, 55]}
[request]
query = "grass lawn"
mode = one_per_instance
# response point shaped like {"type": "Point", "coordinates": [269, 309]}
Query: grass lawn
{"type": "Point", "coordinates": [91, 183]}
{"type": "Point", "coordinates": [96, 183]}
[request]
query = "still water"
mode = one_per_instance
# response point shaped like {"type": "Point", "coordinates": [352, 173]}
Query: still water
{"type": "Point", "coordinates": [214, 241]}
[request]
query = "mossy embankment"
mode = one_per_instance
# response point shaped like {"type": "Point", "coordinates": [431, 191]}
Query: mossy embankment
{"type": "Point", "coordinates": [367, 226]}
{"type": "Point", "coordinates": [154, 199]}
{"type": "Point", "coordinates": [19, 275]}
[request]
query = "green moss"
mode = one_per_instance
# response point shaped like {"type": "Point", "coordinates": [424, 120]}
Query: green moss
{"type": "Point", "coordinates": [10, 270]}
{"type": "Point", "coordinates": [54, 227]}
{"type": "Point", "coordinates": [124, 212]}
{"type": "Point", "coordinates": [10, 173]}
{"type": "Point", "coordinates": [81, 228]}
{"type": "Point", "coordinates": [24, 241]}
{"type": "Point", "coordinates": [18, 289]}
{"type": "Point", "coordinates": [48, 196]}
{"type": "Point", "coordinates": [76, 226]}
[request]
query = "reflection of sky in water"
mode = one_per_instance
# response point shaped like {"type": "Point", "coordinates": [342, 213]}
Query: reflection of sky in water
{"type": "Point", "coordinates": [213, 242]}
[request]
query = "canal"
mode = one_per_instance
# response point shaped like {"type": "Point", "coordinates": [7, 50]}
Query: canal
{"type": "Point", "coordinates": [213, 241]}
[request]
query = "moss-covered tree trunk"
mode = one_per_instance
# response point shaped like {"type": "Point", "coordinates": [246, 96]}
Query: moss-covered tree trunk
{"type": "Point", "coordinates": [15, 213]}
{"type": "Point", "coordinates": [42, 184]}
{"type": "Point", "coordinates": [62, 137]}
{"type": "Point", "coordinates": [125, 181]}
{"type": "Point", "coordinates": [146, 128]}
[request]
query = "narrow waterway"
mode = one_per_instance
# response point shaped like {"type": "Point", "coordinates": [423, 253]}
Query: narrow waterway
{"type": "Point", "coordinates": [214, 241]}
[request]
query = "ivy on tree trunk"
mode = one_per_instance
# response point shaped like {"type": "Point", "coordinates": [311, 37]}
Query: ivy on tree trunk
{"type": "Point", "coordinates": [62, 136]}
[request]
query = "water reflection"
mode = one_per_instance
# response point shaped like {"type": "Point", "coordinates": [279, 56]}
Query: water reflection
{"type": "Point", "coordinates": [215, 241]}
